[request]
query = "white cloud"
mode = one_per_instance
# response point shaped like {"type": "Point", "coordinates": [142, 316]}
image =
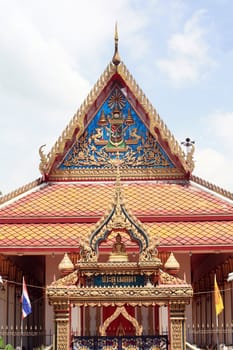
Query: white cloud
{"type": "Point", "coordinates": [179, 70]}
{"type": "Point", "coordinates": [43, 47]}
{"type": "Point", "coordinates": [221, 125]}
{"type": "Point", "coordinates": [214, 163]}
{"type": "Point", "coordinates": [51, 54]}
{"type": "Point", "coordinates": [190, 43]}
{"type": "Point", "coordinates": [215, 167]}
{"type": "Point", "coordinates": [34, 66]}
{"type": "Point", "coordinates": [188, 52]}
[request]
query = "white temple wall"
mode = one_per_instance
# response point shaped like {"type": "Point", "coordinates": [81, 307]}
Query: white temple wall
{"type": "Point", "coordinates": [163, 320]}
{"type": "Point", "coordinates": [3, 306]}
{"type": "Point", "coordinates": [75, 320]}
{"type": "Point", "coordinates": [228, 302]}
{"type": "Point", "coordinates": [93, 317]}
{"type": "Point", "coordinates": [51, 272]}
{"type": "Point", "coordinates": [185, 272]}
{"type": "Point", "coordinates": [145, 316]}
{"type": "Point", "coordinates": [11, 306]}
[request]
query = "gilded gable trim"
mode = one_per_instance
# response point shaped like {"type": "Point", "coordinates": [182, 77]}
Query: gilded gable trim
{"type": "Point", "coordinates": [77, 122]}
{"type": "Point", "coordinates": [212, 187]}
{"type": "Point", "coordinates": [156, 123]}
{"type": "Point", "coordinates": [21, 190]}
{"type": "Point", "coordinates": [139, 101]}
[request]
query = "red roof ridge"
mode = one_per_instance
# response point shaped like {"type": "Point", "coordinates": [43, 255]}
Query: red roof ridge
{"type": "Point", "coordinates": [94, 220]}
{"type": "Point", "coordinates": [21, 190]}
{"type": "Point", "coordinates": [212, 187]}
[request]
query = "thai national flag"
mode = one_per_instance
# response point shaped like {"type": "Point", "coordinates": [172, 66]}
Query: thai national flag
{"type": "Point", "coordinates": [26, 304]}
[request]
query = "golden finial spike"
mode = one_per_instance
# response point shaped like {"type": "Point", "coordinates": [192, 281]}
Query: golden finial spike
{"type": "Point", "coordinates": [116, 57]}
{"type": "Point", "coordinates": [116, 33]}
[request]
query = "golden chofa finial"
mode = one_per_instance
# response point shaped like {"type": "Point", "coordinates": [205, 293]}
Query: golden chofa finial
{"type": "Point", "coordinates": [116, 57]}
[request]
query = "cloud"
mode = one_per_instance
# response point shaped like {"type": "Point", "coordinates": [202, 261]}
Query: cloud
{"type": "Point", "coordinates": [214, 163]}
{"type": "Point", "coordinates": [43, 49]}
{"type": "Point", "coordinates": [221, 125]}
{"type": "Point", "coordinates": [190, 43]}
{"type": "Point", "coordinates": [179, 70]}
{"type": "Point", "coordinates": [34, 66]}
{"type": "Point", "coordinates": [51, 54]}
{"type": "Point", "coordinates": [215, 167]}
{"type": "Point", "coordinates": [188, 52]}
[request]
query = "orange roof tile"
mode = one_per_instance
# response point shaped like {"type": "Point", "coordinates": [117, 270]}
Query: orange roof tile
{"type": "Point", "coordinates": [42, 235]}
{"type": "Point", "coordinates": [68, 236]}
{"type": "Point", "coordinates": [182, 234]}
{"type": "Point", "coordinates": [92, 200]}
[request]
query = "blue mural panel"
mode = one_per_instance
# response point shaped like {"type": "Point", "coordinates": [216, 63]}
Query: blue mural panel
{"type": "Point", "coordinates": [119, 280]}
{"type": "Point", "coordinates": [116, 132]}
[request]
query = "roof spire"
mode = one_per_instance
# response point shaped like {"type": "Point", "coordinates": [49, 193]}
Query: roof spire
{"type": "Point", "coordinates": [116, 57]}
{"type": "Point", "coordinates": [118, 178]}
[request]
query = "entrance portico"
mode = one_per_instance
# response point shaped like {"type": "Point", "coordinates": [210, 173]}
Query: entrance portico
{"type": "Point", "coordinates": [172, 292]}
{"type": "Point", "coordinates": [118, 287]}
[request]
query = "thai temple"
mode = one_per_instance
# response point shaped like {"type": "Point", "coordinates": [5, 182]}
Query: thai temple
{"type": "Point", "coordinates": [118, 242]}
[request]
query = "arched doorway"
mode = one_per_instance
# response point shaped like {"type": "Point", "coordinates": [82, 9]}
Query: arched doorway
{"type": "Point", "coordinates": [120, 323]}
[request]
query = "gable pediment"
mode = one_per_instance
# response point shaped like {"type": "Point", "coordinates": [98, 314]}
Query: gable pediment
{"type": "Point", "coordinates": [116, 121]}
{"type": "Point", "coordinates": [116, 130]}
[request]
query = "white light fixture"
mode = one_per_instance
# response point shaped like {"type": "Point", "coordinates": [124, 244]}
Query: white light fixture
{"type": "Point", "coordinates": [230, 277]}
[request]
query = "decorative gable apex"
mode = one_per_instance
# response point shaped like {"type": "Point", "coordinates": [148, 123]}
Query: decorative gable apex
{"type": "Point", "coordinates": [116, 118]}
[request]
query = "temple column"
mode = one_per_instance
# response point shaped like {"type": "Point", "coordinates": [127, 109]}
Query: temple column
{"type": "Point", "coordinates": [98, 319]}
{"type": "Point", "coordinates": [62, 325]}
{"type": "Point", "coordinates": [177, 326]}
{"type": "Point", "coordinates": [150, 320]}
{"type": "Point", "coordinates": [87, 321]}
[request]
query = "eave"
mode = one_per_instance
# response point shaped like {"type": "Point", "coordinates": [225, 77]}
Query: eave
{"type": "Point", "coordinates": [59, 250]}
{"type": "Point", "coordinates": [95, 219]}
{"type": "Point", "coordinates": [117, 296]}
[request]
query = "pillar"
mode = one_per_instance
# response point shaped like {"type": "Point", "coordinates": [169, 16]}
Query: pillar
{"type": "Point", "coordinates": [177, 326]}
{"type": "Point", "coordinates": [62, 325]}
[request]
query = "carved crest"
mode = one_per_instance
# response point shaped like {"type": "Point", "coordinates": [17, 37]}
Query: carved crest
{"type": "Point", "coordinates": [116, 128]}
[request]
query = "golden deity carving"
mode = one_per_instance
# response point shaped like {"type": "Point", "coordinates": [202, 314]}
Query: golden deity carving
{"type": "Point", "coordinates": [118, 250]}
{"type": "Point", "coordinates": [87, 254]}
{"type": "Point", "coordinates": [150, 254]}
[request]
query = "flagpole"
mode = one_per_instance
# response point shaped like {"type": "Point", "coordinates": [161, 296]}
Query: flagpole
{"type": "Point", "coordinates": [26, 307]}
{"type": "Point", "coordinates": [21, 338]}
{"type": "Point", "coordinates": [217, 335]}
{"type": "Point", "coordinates": [218, 306]}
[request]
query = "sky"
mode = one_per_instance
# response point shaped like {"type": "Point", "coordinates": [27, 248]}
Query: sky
{"type": "Point", "coordinates": [53, 51]}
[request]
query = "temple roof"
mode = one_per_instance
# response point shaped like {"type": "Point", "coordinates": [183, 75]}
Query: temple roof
{"type": "Point", "coordinates": [58, 216]}
{"type": "Point", "coordinates": [148, 200]}
{"type": "Point", "coordinates": [116, 126]}
{"type": "Point", "coordinates": [173, 236]}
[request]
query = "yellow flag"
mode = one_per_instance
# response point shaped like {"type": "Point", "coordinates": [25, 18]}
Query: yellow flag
{"type": "Point", "coordinates": [217, 298]}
